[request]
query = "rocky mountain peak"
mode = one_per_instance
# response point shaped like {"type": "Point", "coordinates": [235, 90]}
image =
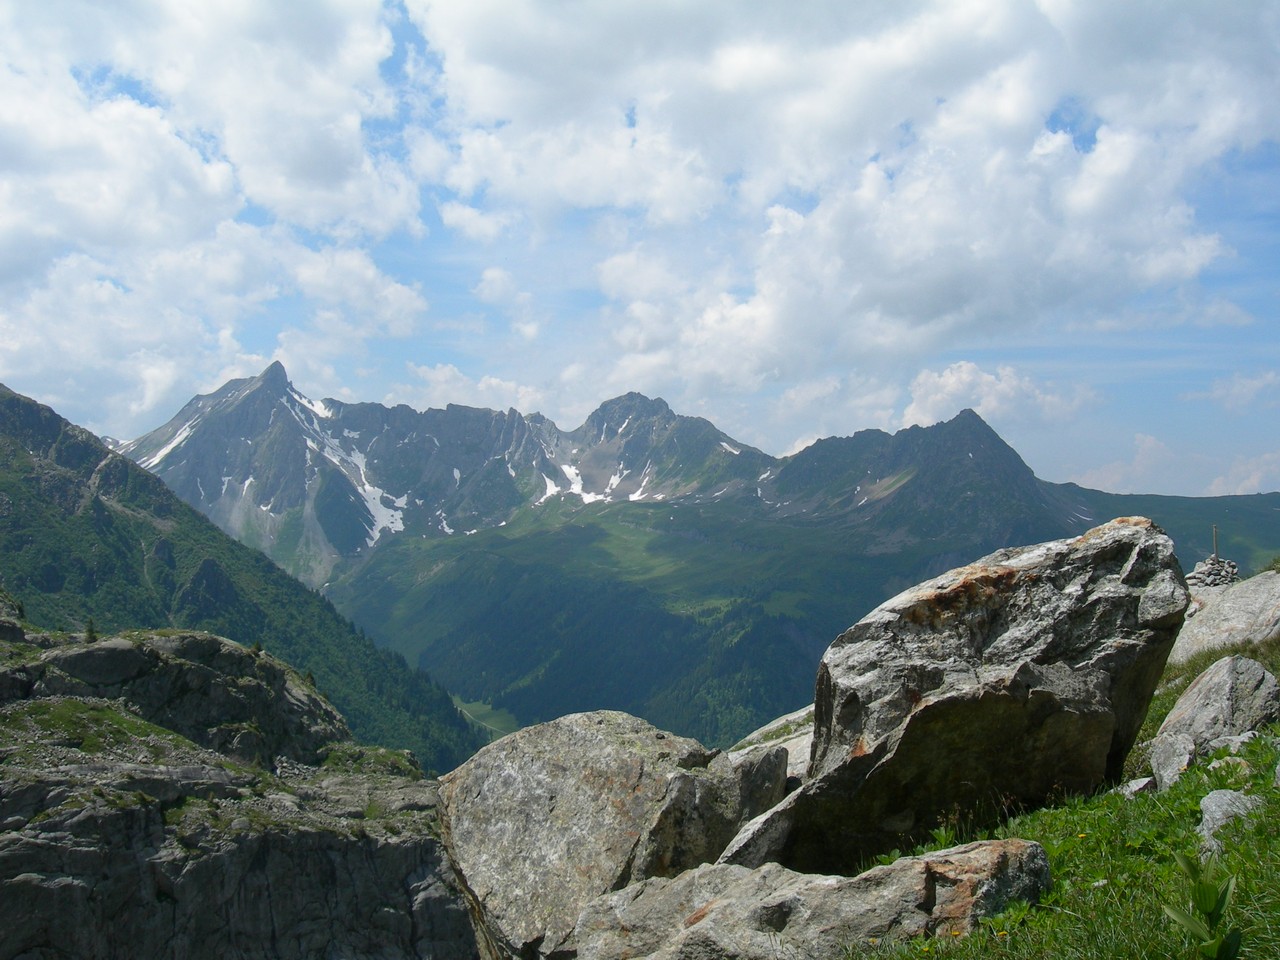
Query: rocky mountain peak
{"type": "Point", "coordinates": [628, 408]}
{"type": "Point", "coordinates": [275, 377]}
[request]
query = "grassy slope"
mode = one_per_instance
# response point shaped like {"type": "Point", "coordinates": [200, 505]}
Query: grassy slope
{"type": "Point", "coordinates": [1113, 864]}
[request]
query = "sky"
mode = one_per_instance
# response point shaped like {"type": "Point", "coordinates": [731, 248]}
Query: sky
{"type": "Point", "coordinates": [794, 219]}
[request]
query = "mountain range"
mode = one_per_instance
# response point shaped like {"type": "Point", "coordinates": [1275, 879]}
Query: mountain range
{"type": "Point", "coordinates": [91, 542]}
{"type": "Point", "coordinates": [644, 561]}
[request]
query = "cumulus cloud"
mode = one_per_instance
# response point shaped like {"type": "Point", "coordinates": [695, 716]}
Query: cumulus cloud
{"type": "Point", "coordinates": [784, 217]}
{"type": "Point", "coordinates": [1003, 395]}
{"type": "Point", "coordinates": [1017, 171]}
{"type": "Point", "coordinates": [443, 383]}
{"type": "Point", "coordinates": [1147, 470]}
{"type": "Point", "coordinates": [1253, 474]}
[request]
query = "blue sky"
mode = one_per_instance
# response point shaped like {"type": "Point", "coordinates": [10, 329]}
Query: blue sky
{"type": "Point", "coordinates": [795, 220]}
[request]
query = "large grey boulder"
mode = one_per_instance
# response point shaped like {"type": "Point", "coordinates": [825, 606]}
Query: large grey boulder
{"type": "Point", "coordinates": [1247, 612]}
{"type": "Point", "coordinates": [222, 695]}
{"type": "Point", "coordinates": [1000, 684]}
{"type": "Point", "coordinates": [548, 818]}
{"type": "Point", "coordinates": [1232, 697]}
{"type": "Point", "coordinates": [725, 912]}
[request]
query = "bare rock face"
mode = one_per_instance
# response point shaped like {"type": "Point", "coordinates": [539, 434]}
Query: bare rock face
{"type": "Point", "coordinates": [122, 834]}
{"type": "Point", "coordinates": [1000, 684]}
{"type": "Point", "coordinates": [229, 698]}
{"type": "Point", "coordinates": [192, 860]}
{"type": "Point", "coordinates": [548, 818]}
{"type": "Point", "coordinates": [725, 912]}
{"type": "Point", "coordinates": [1247, 612]}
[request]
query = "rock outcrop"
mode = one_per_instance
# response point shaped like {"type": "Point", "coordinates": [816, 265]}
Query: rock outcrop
{"type": "Point", "coordinates": [1245, 613]}
{"type": "Point", "coordinates": [793, 732]}
{"type": "Point", "coordinates": [223, 696]}
{"type": "Point", "coordinates": [120, 836]}
{"type": "Point", "coordinates": [1232, 697]}
{"type": "Point", "coordinates": [548, 818]}
{"type": "Point", "coordinates": [724, 912]}
{"type": "Point", "coordinates": [997, 685]}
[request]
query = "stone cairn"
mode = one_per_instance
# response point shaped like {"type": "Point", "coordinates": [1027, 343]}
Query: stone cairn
{"type": "Point", "coordinates": [1214, 572]}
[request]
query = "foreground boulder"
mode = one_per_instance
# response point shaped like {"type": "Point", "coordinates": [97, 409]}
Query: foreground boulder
{"type": "Point", "coordinates": [548, 818]}
{"type": "Point", "coordinates": [723, 912]}
{"type": "Point", "coordinates": [997, 685]}
{"type": "Point", "coordinates": [1244, 613]}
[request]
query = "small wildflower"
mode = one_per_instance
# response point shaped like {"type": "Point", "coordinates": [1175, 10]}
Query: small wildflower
{"type": "Point", "coordinates": [1081, 836]}
{"type": "Point", "coordinates": [1002, 933]}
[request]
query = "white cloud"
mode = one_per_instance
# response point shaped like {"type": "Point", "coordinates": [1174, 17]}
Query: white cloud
{"type": "Point", "coordinates": [444, 383]}
{"type": "Point", "coordinates": [472, 223]}
{"type": "Point", "coordinates": [496, 286]}
{"type": "Point", "coordinates": [1255, 474]}
{"type": "Point", "coordinates": [782, 212]}
{"type": "Point", "coordinates": [1241, 393]}
{"type": "Point", "coordinates": [1148, 470]}
{"type": "Point", "coordinates": [1003, 395]}
{"type": "Point", "coordinates": [130, 339]}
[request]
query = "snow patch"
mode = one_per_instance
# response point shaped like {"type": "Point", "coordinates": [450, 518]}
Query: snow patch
{"type": "Point", "coordinates": [616, 479]}
{"type": "Point", "coordinates": [552, 490]}
{"type": "Point", "coordinates": [457, 478]}
{"type": "Point", "coordinates": [644, 482]}
{"type": "Point", "coordinates": [863, 500]}
{"type": "Point", "coordinates": [178, 438]}
{"type": "Point", "coordinates": [317, 407]}
{"type": "Point", "coordinates": [730, 449]}
{"type": "Point", "coordinates": [353, 434]}
{"type": "Point", "coordinates": [575, 484]}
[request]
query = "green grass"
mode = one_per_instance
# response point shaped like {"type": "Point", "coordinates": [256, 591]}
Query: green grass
{"type": "Point", "coordinates": [90, 727]}
{"type": "Point", "coordinates": [1113, 865]}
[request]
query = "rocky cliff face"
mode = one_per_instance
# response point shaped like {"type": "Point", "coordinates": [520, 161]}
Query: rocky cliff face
{"type": "Point", "coordinates": [181, 796]}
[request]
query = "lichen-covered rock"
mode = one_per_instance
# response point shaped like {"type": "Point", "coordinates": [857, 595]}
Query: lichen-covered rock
{"type": "Point", "coordinates": [550, 817]}
{"type": "Point", "coordinates": [229, 698]}
{"type": "Point", "coordinates": [725, 912]}
{"type": "Point", "coordinates": [1247, 612]}
{"type": "Point", "coordinates": [1017, 678]}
